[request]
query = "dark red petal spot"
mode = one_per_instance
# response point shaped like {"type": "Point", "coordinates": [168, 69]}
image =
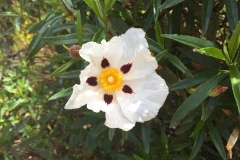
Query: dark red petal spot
{"type": "Point", "coordinates": [92, 81]}
{"type": "Point", "coordinates": [127, 89]}
{"type": "Point", "coordinates": [108, 98]}
{"type": "Point", "coordinates": [126, 68]}
{"type": "Point", "coordinates": [105, 63]}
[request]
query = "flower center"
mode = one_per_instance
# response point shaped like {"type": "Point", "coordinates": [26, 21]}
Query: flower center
{"type": "Point", "coordinates": [111, 79]}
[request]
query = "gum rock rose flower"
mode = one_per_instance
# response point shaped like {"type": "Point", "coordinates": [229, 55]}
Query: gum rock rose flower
{"type": "Point", "coordinates": [120, 81]}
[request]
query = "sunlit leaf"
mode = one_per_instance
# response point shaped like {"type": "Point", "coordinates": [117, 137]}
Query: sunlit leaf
{"type": "Point", "coordinates": [235, 80]}
{"type": "Point", "coordinates": [62, 93]}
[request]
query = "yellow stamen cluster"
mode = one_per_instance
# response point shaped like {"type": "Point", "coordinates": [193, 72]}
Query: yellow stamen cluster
{"type": "Point", "coordinates": [111, 79]}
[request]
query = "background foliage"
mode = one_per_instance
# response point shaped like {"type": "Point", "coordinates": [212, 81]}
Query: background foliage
{"type": "Point", "coordinates": [195, 41]}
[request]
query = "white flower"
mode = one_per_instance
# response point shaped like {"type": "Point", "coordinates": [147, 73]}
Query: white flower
{"type": "Point", "coordinates": [120, 81]}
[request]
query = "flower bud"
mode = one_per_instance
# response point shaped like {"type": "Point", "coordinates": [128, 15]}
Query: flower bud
{"type": "Point", "coordinates": [214, 92]}
{"type": "Point", "coordinates": [217, 90]}
{"type": "Point", "coordinates": [74, 51]}
{"type": "Point", "coordinates": [159, 68]}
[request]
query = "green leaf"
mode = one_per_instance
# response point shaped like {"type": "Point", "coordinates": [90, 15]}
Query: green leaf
{"type": "Point", "coordinates": [154, 46]}
{"type": "Point", "coordinates": [108, 4]}
{"type": "Point", "coordinates": [62, 68]}
{"type": "Point", "coordinates": [62, 93]}
{"type": "Point", "coordinates": [234, 42]}
{"type": "Point", "coordinates": [206, 15]}
{"type": "Point", "coordinates": [212, 51]}
{"type": "Point", "coordinates": [178, 63]}
{"type": "Point", "coordinates": [149, 20]}
{"type": "Point", "coordinates": [190, 41]}
{"type": "Point", "coordinates": [124, 136]}
{"type": "Point", "coordinates": [198, 143]}
{"type": "Point", "coordinates": [216, 139]}
{"type": "Point", "coordinates": [202, 59]}
{"type": "Point", "coordinates": [28, 141]}
{"type": "Point", "coordinates": [69, 5]}
{"type": "Point", "coordinates": [7, 156]}
{"type": "Point", "coordinates": [196, 98]}
{"type": "Point", "coordinates": [212, 102]}
{"type": "Point", "coordinates": [169, 3]}
{"type": "Point", "coordinates": [179, 147]}
{"type": "Point", "coordinates": [232, 13]}
{"type": "Point", "coordinates": [111, 132]}
{"type": "Point", "coordinates": [199, 126]}
{"type": "Point", "coordinates": [60, 57]}
{"type": "Point", "coordinates": [36, 44]}
{"type": "Point", "coordinates": [158, 31]}
{"type": "Point", "coordinates": [97, 8]}
{"type": "Point", "coordinates": [159, 56]}
{"type": "Point", "coordinates": [235, 80]}
{"type": "Point", "coordinates": [156, 5]}
{"type": "Point", "coordinates": [71, 74]}
{"type": "Point", "coordinates": [193, 80]}
{"type": "Point", "coordinates": [79, 28]}
{"type": "Point", "coordinates": [137, 157]}
{"type": "Point", "coordinates": [6, 14]}
{"type": "Point", "coordinates": [62, 39]}
{"type": "Point", "coordinates": [100, 35]}
{"type": "Point", "coordinates": [228, 121]}
{"type": "Point", "coordinates": [5, 134]}
{"type": "Point", "coordinates": [146, 136]}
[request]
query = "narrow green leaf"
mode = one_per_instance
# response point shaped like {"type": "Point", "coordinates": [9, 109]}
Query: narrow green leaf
{"type": "Point", "coordinates": [190, 41]}
{"type": "Point", "coordinates": [154, 46]}
{"type": "Point", "coordinates": [146, 136]}
{"type": "Point", "coordinates": [210, 106]}
{"type": "Point", "coordinates": [159, 56]}
{"type": "Point", "coordinates": [124, 136]}
{"type": "Point", "coordinates": [198, 143]}
{"type": "Point", "coordinates": [199, 126]}
{"type": "Point", "coordinates": [169, 3]}
{"type": "Point", "coordinates": [108, 4]}
{"type": "Point", "coordinates": [69, 5]}
{"type": "Point", "coordinates": [196, 98]}
{"type": "Point", "coordinates": [28, 141]}
{"type": "Point", "coordinates": [62, 93]}
{"type": "Point", "coordinates": [193, 80]}
{"type": "Point", "coordinates": [62, 68]}
{"type": "Point", "coordinates": [36, 44]}
{"type": "Point", "coordinates": [216, 139]}
{"type": "Point", "coordinates": [100, 35]}
{"type": "Point", "coordinates": [156, 5]}
{"type": "Point", "coordinates": [71, 74]}
{"type": "Point", "coordinates": [7, 156]}
{"type": "Point", "coordinates": [79, 28]}
{"type": "Point", "coordinates": [232, 13]}
{"type": "Point", "coordinates": [111, 132]}
{"type": "Point", "coordinates": [20, 125]}
{"type": "Point", "coordinates": [158, 31]}
{"type": "Point", "coordinates": [62, 39]}
{"type": "Point", "coordinates": [10, 14]}
{"type": "Point", "coordinates": [137, 157]}
{"type": "Point", "coordinates": [97, 8]}
{"type": "Point", "coordinates": [5, 134]}
{"type": "Point", "coordinates": [179, 147]}
{"type": "Point", "coordinates": [228, 121]}
{"type": "Point", "coordinates": [149, 20]}
{"type": "Point", "coordinates": [60, 57]}
{"type": "Point", "coordinates": [202, 59]}
{"type": "Point", "coordinates": [118, 24]}
{"type": "Point", "coordinates": [212, 51]}
{"type": "Point", "coordinates": [178, 63]}
{"type": "Point", "coordinates": [235, 80]}
{"type": "Point", "coordinates": [206, 15]}
{"type": "Point", "coordinates": [234, 42]}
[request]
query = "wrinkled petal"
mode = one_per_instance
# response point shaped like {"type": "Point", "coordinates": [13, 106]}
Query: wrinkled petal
{"type": "Point", "coordinates": [147, 98]}
{"type": "Point", "coordinates": [82, 93]}
{"type": "Point", "coordinates": [136, 52]}
{"type": "Point", "coordinates": [95, 53]}
{"type": "Point", "coordinates": [142, 65]}
{"type": "Point", "coordinates": [116, 119]}
{"type": "Point", "coordinates": [97, 102]}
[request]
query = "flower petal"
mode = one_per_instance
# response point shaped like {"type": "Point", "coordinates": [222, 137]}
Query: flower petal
{"type": "Point", "coordinates": [95, 53]}
{"type": "Point", "coordinates": [116, 119]}
{"type": "Point", "coordinates": [84, 92]}
{"type": "Point", "coordinates": [149, 95]}
{"type": "Point", "coordinates": [136, 52]}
